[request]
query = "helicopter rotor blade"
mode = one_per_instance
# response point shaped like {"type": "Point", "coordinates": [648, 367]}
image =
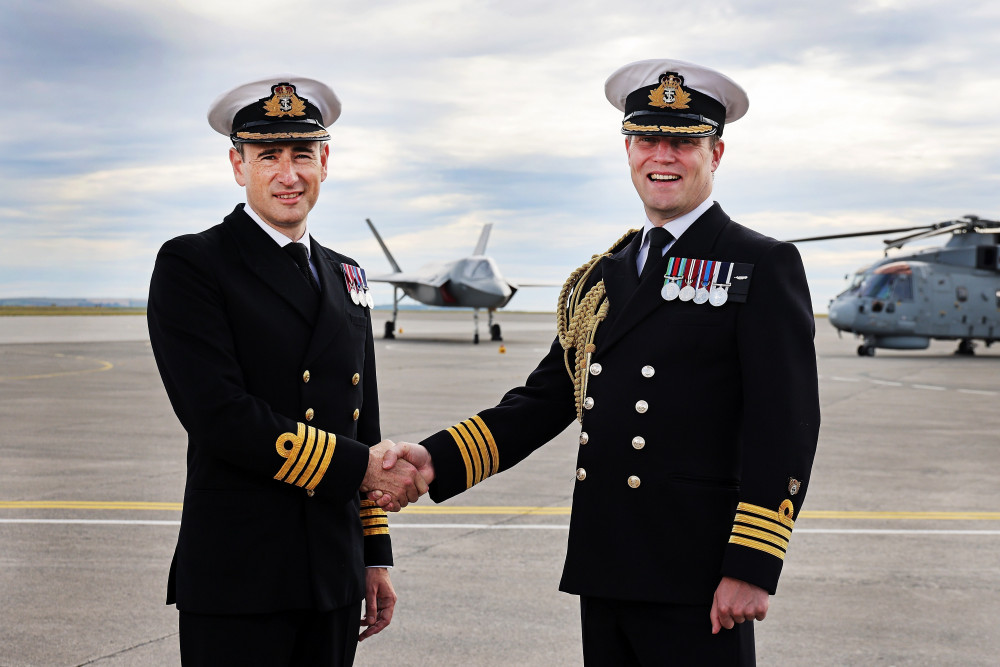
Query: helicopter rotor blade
{"type": "Point", "coordinates": [939, 228]}
{"type": "Point", "coordinates": [982, 225]}
{"type": "Point", "coordinates": [854, 234]}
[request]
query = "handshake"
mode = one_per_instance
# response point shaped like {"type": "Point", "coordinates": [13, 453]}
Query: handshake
{"type": "Point", "coordinates": [397, 474]}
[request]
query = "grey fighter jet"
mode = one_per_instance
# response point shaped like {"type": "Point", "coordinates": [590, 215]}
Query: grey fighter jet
{"type": "Point", "coordinates": [470, 282]}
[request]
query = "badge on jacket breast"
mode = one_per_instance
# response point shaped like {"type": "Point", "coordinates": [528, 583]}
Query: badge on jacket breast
{"type": "Point", "coordinates": [701, 281]}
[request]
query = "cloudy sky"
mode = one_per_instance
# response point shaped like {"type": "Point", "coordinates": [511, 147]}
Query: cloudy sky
{"type": "Point", "coordinates": [863, 114]}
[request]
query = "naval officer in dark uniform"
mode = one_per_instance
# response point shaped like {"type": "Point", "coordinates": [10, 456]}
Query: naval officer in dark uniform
{"type": "Point", "coordinates": [263, 340]}
{"type": "Point", "coordinates": [686, 353]}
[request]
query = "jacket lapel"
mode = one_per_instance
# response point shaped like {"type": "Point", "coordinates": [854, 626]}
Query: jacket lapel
{"type": "Point", "coordinates": [332, 303]}
{"type": "Point", "coordinates": [270, 263]}
{"type": "Point", "coordinates": [640, 299]}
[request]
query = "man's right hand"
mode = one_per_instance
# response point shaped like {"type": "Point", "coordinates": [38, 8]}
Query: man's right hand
{"type": "Point", "coordinates": [393, 475]}
{"type": "Point", "coordinates": [404, 452]}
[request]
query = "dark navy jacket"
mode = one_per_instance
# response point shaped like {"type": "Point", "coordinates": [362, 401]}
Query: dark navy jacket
{"type": "Point", "coordinates": [278, 396]}
{"type": "Point", "coordinates": [720, 468]}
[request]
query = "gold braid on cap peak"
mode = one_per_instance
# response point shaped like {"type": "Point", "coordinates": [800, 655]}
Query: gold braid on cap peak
{"type": "Point", "coordinates": [578, 316]}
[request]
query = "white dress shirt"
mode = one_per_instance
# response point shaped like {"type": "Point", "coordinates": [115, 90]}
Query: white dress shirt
{"type": "Point", "coordinates": [676, 227]}
{"type": "Point", "coordinates": [283, 240]}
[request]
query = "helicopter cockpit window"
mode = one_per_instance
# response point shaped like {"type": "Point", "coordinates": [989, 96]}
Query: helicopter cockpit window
{"type": "Point", "coordinates": [878, 287]}
{"type": "Point", "coordinates": [903, 289]}
{"type": "Point", "coordinates": [962, 293]}
{"type": "Point", "coordinates": [886, 286]}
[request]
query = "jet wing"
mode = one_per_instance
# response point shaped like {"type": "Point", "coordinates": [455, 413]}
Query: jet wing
{"type": "Point", "coordinates": [403, 279]}
{"type": "Point", "coordinates": [517, 284]}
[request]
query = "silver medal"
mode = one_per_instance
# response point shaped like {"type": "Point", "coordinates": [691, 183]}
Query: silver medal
{"type": "Point", "coordinates": [687, 292]}
{"type": "Point", "coordinates": [371, 300]}
{"type": "Point", "coordinates": [720, 284]}
{"type": "Point", "coordinates": [670, 291]}
{"type": "Point", "coordinates": [700, 295]}
{"type": "Point", "coordinates": [355, 297]}
{"type": "Point", "coordinates": [718, 296]}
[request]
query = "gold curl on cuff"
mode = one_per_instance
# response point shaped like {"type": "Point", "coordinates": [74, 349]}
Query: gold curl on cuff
{"type": "Point", "coordinates": [783, 516]}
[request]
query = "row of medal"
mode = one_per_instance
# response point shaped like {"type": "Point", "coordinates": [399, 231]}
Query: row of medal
{"type": "Point", "coordinates": [357, 286]}
{"type": "Point", "coordinates": [697, 280]}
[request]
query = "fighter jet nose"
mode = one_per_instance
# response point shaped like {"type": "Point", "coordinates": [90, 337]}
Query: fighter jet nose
{"type": "Point", "coordinates": [497, 288]}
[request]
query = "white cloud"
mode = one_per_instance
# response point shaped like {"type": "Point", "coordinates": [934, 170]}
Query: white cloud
{"type": "Point", "coordinates": [864, 114]}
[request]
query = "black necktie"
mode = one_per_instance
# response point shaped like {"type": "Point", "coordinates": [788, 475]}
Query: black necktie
{"type": "Point", "coordinates": [658, 238]}
{"type": "Point", "coordinates": [298, 252]}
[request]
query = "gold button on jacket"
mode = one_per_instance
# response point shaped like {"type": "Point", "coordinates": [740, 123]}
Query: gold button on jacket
{"type": "Point", "coordinates": [310, 413]}
{"type": "Point", "coordinates": [581, 474]}
{"type": "Point", "coordinates": [306, 376]}
{"type": "Point", "coordinates": [584, 438]}
{"type": "Point", "coordinates": [634, 482]}
{"type": "Point", "coordinates": [357, 413]}
{"type": "Point", "coordinates": [356, 379]}
{"type": "Point", "coordinates": [638, 442]}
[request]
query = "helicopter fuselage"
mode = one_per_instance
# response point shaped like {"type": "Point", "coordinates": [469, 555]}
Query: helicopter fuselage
{"type": "Point", "coordinates": [946, 293]}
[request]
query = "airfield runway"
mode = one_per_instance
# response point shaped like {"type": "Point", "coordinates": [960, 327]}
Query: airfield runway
{"type": "Point", "coordinates": [895, 560]}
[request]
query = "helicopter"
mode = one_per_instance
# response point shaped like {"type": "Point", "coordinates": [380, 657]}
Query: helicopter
{"type": "Point", "coordinates": [949, 292]}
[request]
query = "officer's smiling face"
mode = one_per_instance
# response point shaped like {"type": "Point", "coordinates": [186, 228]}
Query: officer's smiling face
{"type": "Point", "coordinates": [672, 175]}
{"type": "Point", "coordinates": [282, 180]}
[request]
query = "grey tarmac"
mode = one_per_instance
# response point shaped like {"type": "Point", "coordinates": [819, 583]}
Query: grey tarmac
{"type": "Point", "coordinates": [895, 561]}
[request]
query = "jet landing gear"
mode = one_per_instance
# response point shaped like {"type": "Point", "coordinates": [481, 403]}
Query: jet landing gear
{"type": "Point", "coordinates": [494, 328]}
{"type": "Point", "coordinates": [966, 348]}
{"type": "Point", "coordinates": [390, 326]}
{"type": "Point", "coordinates": [866, 349]}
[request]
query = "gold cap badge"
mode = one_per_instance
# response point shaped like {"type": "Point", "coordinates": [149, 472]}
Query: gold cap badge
{"type": "Point", "coordinates": [793, 485]}
{"type": "Point", "coordinates": [284, 102]}
{"type": "Point", "coordinates": [670, 94]}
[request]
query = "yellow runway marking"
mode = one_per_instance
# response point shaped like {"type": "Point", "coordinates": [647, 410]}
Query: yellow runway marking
{"type": "Point", "coordinates": [104, 366]}
{"type": "Point", "coordinates": [86, 505]}
{"type": "Point", "coordinates": [507, 510]}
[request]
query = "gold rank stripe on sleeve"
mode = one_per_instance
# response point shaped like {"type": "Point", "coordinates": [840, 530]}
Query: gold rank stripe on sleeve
{"type": "Point", "coordinates": [307, 455]}
{"type": "Point", "coordinates": [373, 519]}
{"type": "Point", "coordinates": [478, 449]}
{"type": "Point", "coordinates": [764, 529]}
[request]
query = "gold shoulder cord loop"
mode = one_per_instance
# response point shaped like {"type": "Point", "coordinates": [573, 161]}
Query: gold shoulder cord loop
{"type": "Point", "coordinates": [578, 316]}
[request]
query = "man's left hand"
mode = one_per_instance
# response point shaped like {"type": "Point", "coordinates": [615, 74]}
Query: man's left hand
{"type": "Point", "coordinates": [737, 601]}
{"type": "Point", "coordinates": [380, 600]}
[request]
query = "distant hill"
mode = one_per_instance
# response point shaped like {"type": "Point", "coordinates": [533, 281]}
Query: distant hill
{"type": "Point", "coordinates": [74, 303]}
